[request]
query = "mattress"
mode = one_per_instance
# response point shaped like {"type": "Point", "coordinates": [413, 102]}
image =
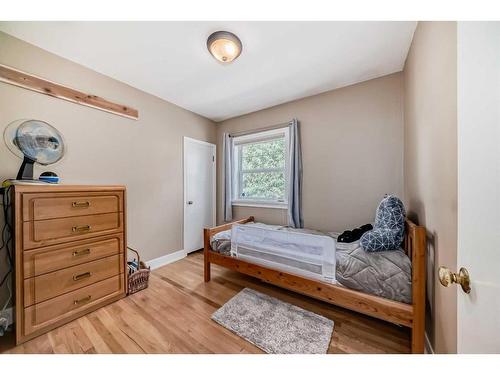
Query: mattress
{"type": "Point", "coordinates": [386, 273]}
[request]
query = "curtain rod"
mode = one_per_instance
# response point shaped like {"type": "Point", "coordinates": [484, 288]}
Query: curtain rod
{"type": "Point", "coordinates": [272, 127]}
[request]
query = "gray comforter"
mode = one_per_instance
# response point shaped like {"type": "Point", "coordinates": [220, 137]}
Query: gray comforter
{"type": "Point", "coordinates": [386, 273]}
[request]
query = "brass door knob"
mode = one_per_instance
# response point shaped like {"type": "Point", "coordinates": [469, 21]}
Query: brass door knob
{"type": "Point", "coordinates": [447, 277]}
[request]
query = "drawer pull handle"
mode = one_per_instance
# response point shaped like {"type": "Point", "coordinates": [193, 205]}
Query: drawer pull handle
{"type": "Point", "coordinates": [82, 300]}
{"type": "Point", "coordinates": [82, 276]}
{"type": "Point", "coordinates": [80, 204]}
{"type": "Point", "coordinates": [81, 228]}
{"type": "Point", "coordinates": [78, 253]}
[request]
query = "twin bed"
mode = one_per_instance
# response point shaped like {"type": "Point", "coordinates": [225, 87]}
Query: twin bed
{"type": "Point", "coordinates": [388, 285]}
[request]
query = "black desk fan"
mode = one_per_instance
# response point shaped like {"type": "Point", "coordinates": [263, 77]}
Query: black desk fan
{"type": "Point", "coordinates": [33, 141]}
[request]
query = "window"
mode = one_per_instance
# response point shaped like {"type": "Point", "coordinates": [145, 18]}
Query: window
{"type": "Point", "coordinates": [260, 175]}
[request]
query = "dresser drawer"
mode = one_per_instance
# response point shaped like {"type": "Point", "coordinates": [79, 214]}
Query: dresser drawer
{"type": "Point", "coordinates": [53, 258]}
{"type": "Point", "coordinates": [50, 285]}
{"type": "Point", "coordinates": [57, 309]}
{"type": "Point", "coordinates": [53, 231]}
{"type": "Point", "coordinates": [53, 206]}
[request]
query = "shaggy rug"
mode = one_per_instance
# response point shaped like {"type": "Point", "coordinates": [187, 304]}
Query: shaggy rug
{"type": "Point", "coordinates": [275, 326]}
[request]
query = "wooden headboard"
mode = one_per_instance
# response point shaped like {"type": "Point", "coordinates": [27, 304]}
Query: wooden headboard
{"type": "Point", "coordinates": [414, 240]}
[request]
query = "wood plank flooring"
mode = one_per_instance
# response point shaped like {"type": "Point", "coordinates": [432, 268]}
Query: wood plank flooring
{"type": "Point", "coordinates": [173, 316]}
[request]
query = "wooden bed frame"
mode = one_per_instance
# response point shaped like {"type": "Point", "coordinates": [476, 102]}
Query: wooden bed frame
{"type": "Point", "coordinates": [409, 315]}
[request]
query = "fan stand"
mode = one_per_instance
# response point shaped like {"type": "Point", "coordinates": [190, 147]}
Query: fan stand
{"type": "Point", "coordinates": [26, 170]}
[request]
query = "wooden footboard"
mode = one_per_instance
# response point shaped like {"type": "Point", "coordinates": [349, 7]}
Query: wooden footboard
{"type": "Point", "coordinates": [208, 233]}
{"type": "Point", "coordinates": [409, 315]}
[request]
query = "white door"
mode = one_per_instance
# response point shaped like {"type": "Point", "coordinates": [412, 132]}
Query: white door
{"type": "Point", "coordinates": [199, 191]}
{"type": "Point", "coordinates": [479, 185]}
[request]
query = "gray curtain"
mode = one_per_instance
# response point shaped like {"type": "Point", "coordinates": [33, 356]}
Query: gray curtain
{"type": "Point", "coordinates": [227, 151]}
{"type": "Point", "coordinates": [295, 219]}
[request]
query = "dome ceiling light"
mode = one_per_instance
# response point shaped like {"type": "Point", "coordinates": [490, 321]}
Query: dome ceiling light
{"type": "Point", "coordinates": [224, 46]}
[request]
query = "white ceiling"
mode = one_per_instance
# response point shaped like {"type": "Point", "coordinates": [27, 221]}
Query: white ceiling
{"type": "Point", "coordinates": [281, 61]}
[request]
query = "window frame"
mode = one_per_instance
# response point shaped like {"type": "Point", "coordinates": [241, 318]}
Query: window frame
{"type": "Point", "coordinates": [237, 172]}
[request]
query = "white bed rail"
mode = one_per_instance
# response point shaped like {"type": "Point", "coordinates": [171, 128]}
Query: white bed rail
{"type": "Point", "coordinates": [305, 254]}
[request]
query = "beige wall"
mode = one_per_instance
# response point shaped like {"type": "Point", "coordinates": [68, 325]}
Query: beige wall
{"type": "Point", "coordinates": [430, 178]}
{"type": "Point", "coordinates": [352, 148]}
{"type": "Point", "coordinates": [144, 155]}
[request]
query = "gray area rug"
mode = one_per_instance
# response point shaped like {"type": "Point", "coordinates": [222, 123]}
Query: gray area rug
{"type": "Point", "coordinates": [275, 326]}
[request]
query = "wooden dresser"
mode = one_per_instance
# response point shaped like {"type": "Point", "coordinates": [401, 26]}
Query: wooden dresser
{"type": "Point", "coordinates": [70, 253]}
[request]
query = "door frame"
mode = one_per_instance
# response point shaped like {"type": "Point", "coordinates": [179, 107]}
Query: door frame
{"type": "Point", "coordinates": [214, 187]}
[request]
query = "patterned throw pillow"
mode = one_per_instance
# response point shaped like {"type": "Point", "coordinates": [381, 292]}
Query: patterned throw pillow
{"type": "Point", "coordinates": [388, 232]}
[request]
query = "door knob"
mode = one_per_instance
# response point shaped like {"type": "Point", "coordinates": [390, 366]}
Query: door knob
{"type": "Point", "coordinates": [190, 202]}
{"type": "Point", "coordinates": [447, 277]}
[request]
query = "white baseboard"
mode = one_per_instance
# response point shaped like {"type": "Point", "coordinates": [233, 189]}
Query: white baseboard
{"type": "Point", "coordinates": [166, 259]}
{"type": "Point", "coordinates": [428, 346]}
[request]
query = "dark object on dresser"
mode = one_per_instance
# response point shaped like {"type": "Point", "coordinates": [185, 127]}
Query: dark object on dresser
{"type": "Point", "coordinates": [49, 177]}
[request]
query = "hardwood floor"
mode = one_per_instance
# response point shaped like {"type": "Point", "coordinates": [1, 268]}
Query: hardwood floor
{"type": "Point", "coordinates": [173, 316]}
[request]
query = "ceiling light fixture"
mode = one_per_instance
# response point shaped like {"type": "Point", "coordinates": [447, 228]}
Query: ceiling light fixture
{"type": "Point", "coordinates": [224, 46]}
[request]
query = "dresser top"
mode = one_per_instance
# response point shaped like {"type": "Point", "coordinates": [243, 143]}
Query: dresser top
{"type": "Point", "coordinates": [38, 188]}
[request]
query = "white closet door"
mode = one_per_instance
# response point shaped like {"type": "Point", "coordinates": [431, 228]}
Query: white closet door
{"type": "Point", "coordinates": [199, 191]}
{"type": "Point", "coordinates": [479, 185]}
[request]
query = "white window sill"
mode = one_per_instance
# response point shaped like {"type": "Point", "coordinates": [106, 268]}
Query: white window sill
{"type": "Point", "coordinates": [281, 206]}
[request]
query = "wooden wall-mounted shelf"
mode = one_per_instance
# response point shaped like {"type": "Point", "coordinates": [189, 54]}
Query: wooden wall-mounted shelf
{"type": "Point", "coordinates": [31, 82]}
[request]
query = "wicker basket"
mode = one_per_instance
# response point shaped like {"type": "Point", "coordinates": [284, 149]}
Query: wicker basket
{"type": "Point", "coordinates": [139, 279]}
